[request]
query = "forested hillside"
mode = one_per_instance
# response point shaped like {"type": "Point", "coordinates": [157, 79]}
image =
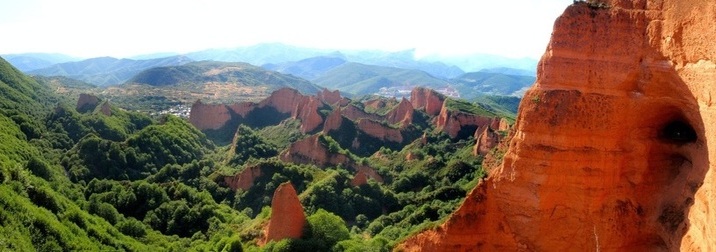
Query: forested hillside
{"type": "Point", "coordinates": [83, 174]}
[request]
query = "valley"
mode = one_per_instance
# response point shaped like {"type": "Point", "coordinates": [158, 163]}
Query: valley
{"type": "Point", "coordinates": [194, 155]}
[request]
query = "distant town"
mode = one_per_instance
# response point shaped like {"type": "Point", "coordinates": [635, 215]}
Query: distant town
{"type": "Point", "coordinates": [404, 91]}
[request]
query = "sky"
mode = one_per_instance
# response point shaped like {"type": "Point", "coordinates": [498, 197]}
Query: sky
{"type": "Point", "coordinates": [124, 28]}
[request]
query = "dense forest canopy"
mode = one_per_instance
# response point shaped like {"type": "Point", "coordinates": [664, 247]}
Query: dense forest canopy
{"type": "Point", "coordinates": [106, 178]}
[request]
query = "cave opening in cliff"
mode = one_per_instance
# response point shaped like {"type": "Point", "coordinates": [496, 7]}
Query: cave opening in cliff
{"type": "Point", "coordinates": [678, 131]}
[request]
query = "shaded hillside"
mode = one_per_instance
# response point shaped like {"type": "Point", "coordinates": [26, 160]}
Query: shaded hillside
{"type": "Point", "coordinates": [492, 83]}
{"type": "Point", "coordinates": [363, 79]}
{"type": "Point", "coordinates": [107, 71]}
{"type": "Point", "coordinates": [31, 61]}
{"type": "Point", "coordinates": [309, 69]}
{"type": "Point", "coordinates": [222, 73]}
{"type": "Point", "coordinates": [405, 59]}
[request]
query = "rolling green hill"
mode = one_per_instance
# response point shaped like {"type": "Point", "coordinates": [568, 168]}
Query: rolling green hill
{"type": "Point", "coordinates": [107, 71]}
{"type": "Point", "coordinates": [363, 79]}
{"type": "Point", "coordinates": [474, 84]}
{"type": "Point", "coordinates": [238, 74]}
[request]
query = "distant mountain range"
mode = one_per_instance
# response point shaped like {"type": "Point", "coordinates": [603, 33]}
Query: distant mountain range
{"type": "Point", "coordinates": [107, 71]}
{"type": "Point", "coordinates": [361, 79]}
{"type": "Point", "coordinates": [310, 69]}
{"type": "Point", "coordinates": [357, 72]}
{"type": "Point", "coordinates": [31, 61]}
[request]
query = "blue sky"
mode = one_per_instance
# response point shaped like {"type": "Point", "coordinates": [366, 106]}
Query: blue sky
{"type": "Point", "coordinates": [123, 28]}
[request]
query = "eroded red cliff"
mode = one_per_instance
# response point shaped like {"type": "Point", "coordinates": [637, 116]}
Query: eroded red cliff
{"type": "Point", "coordinates": [610, 151]}
{"type": "Point", "coordinates": [87, 102]}
{"type": "Point", "coordinates": [329, 97]}
{"type": "Point", "coordinates": [460, 124]}
{"type": "Point", "coordinates": [287, 217]}
{"type": "Point", "coordinates": [209, 116]}
{"type": "Point", "coordinates": [244, 179]}
{"type": "Point", "coordinates": [427, 99]}
{"type": "Point", "coordinates": [485, 139]}
{"type": "Point", "coordinates": [401, 114]}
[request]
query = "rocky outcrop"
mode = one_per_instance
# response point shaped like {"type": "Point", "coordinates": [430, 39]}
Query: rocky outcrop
{"type": "Point", "coordinates": [330, 98]}
{"type": "Point", "coordinates": [333, 121]}
{"type": "Point", "coordinates": [106, 109]}
{"type": "Point", "coordinates": [87, 102]}
{"type": "Point", "coordinates": [458, 124]}
{"type": "Point", "coordinates": [380, 131]}
{"type": "Point", "coordinates": [503, 125]}
{"type": "Point", "coordinates": [427, 99]}
{"type": "Point", "coordinates": [610, 151]}
{"type": "Point", "coordinates": [244, 179]}
{"type": "Point", "coordinates": [363, 174]}
{"type": "Point", "coordinates": [285, 101]}
{"type": "Point", "coordinates": [485, 139]}
{"type": "Point", "coordinates": [209, 116]}
{"type": "Point", "coordinates": [287, 217]}
{"type": "Point", "coordinates": [401, 114]}
{"type": "Point", "coordinates": [354, 114]}
{"type": "Point", "coordinates": [310, 150]}
{"type": "Point", "coordinates": [304, 108]}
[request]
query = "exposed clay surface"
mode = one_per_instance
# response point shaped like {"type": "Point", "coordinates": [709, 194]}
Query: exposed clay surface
{"type": "Point", "coordinates": [486, 139]}
{"type": "Point", "coordinates": [244, 179]}
{"type": "Point", "coordinates": [87, 102]}
{"type": "Point", "coordinates": [287, 217]}
{"type": "Point", "coordinates": [428, 100]}
{"type": "Point", "coordinates": [330, 97]}
{"type": "Point", "coordinates": [401, 114]}
{"type": "Point", "coordinates": [610, 151]}
{"type": "Point", "coordinates": [459, 124]}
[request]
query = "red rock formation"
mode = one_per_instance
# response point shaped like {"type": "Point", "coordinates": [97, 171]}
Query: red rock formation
{"type": "Point", "coordinates": [402, 114]}
{"type": "Point", "coordinates": [364, 173]}
{"type": "Point", "coordinates": [328, 97]}
{"type": "Point", "coordinates": [611, 146]}
{"type": "Point", "coordinates": [380, 131]}
{"type": "Point", "coordinates": [354, 114]}
{"type": "Point", "coordinates": [304, 108]}
{"type": "Point", "coordinates": [333, 121]}
{"type": "Point", "coordinates": [452, 122]}
{"type": "Point", "coordinates": [486, 139]}
{"type": "Point", "coordinates": [209, 116]}
{"type": "Point", "coordinates": [285, 101]}
{"type": "Point", "coordinates": [87, 102]}
{"type": "Point", "coordinates": [106, 109]}
{"type": "Point", "coordinates": [311, 151]}
{"type": "Point", "coordinates": [244, 179]}
{"type": "Point", "coordinates": [287, 217]}
{"type": "Point", "coordinates": [427, 99]}
{"type": "Point", "coordinates": [503, 125]}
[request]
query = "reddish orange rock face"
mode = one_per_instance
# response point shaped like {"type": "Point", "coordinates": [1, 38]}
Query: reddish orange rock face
{"type": "Point", "coordinates": [427, 99]}
{"type": "Point", "coordinates": [610, 151]}
{"type": "Point", "coordinates": [287, 217]}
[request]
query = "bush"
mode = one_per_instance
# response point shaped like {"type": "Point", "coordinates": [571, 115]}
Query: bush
{"type": "Point", "coordinates": [327, 228]}
{"type": "Point", "coordinates": [132, 227]}
{"type": "Point", "coordinates": [233, 245]}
